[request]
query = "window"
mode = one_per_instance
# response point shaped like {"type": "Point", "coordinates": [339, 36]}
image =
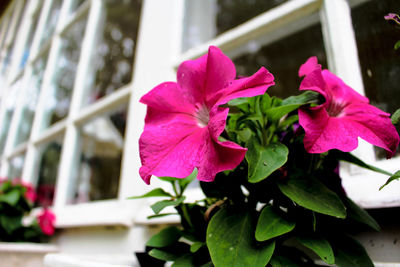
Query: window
{"type": "Point", "coordinates": [66, 72]}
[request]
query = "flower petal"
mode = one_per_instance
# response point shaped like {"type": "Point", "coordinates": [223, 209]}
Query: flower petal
{"type": "Point", "coordinates": [374, 126]}
{"type": "Point", "coordinates": [169, 97]}
{"type": "Point", "coordinates": [257, 84]}
{"type": "Point", "coordinates": [324, 133]}
{"type": "Point", "coordinates": [169, 146]}
{"type": "Point", "coordinates": [309, 66]}
{"type": "Point", "coordinates": [219, 156]}
{"type": "Point", "coordinates": [340, 91]}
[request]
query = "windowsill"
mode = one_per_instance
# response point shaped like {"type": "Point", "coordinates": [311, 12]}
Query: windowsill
{"type": "Point", "coordinates": [27, 247]}
{"type": "Point", "coordinates": [99, 213]}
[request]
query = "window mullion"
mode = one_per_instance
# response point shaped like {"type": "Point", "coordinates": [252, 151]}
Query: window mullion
{"type": "Point", "coordinates": [342, 54]}
{"type": "Point", "coordinates": [69, 155]}
{"type": "Point", "coordinates": [33, 152]}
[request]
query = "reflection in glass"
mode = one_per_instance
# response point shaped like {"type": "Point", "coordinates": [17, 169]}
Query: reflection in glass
{"type": "Point", "coordinates": [48, 169]}
{"type": "Point", "coordinates": [10, 103]}
{"type": "Point", "coordinates": [5, 57]}
{"type": "Point", "coordinates": [207, 18]}
{"type": "Point", "coordinates": [378, 59]}
{"type": "Point", "coordinates": [16, 166]}
{"type": "Point", "coordinates": [231, 13]}
{"type": "Point", "coordinates": [283, 59]}
{"type": "Point", "coordinates": [58, 104]}
{"type": "Point", "coordinates": [102, 141]}
{"type": "Point", "coordinates": [113, 55]}
{"type": "Point", "coordinates": [76, 4]}
{"type": "Point", "coordinates": [28, 44]}
{"type": "Point", "coordinates": [51, 21]}
{"type": "Point", "coordinates": [31, 95]}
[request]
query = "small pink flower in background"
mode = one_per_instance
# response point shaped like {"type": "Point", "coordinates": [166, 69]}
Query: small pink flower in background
{"type": "Point", "coordinates": [343, 117]}
{"type": "Point", "coordinates": [30, 193]}
{"type": "Point", "coordinates": [46, 222]}
{"type": "Point", "coordinates": [393, 18]}
{"type": "Point", "coordinates": [184, 118]}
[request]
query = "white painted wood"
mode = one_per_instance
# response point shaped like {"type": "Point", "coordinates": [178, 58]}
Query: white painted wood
{"type": "Point", "coordinates": [27, 247]}
{"type": "Point", "coordinates": [263, 24]}
{"type": "Point", "coordinates": [342, 55]}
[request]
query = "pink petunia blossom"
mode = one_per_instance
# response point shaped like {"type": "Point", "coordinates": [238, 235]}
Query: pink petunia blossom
{"type": "Point", "coordinates": [46, 222]}
{"type": "Point", "coordinates": [184, 118]}
{"type": "Point", "coordinates": [343, 117]}
{"type": "Point", "coordinates": [30, 193]}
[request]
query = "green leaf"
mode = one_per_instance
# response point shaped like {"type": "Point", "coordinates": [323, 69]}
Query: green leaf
{"type": "Point", "coordinates": [396, 116]}
{"type": "Point", "coordinates": [158, 192]}
{"type": "Point", "coordinates": [10, 223]}
{"type": "Point", "coordinates": [345, 156]}
{"type": "Point", "coordinates": [397, 45]}
{"type": "Point", "coordinates": [160, 205]}
{"type": "Point", "coordinates": [279, 261]}
{"type": "Point", "coordinates": [305, 98]}
{"type": "Point", "coordinates": [271, 224]}
{"type": "Point", "coordinates": [350, 253]}
{"type": "Point", "coordinates": [264, 160]}
{"type": "Point", "coordinates": [163, 255]}
{"type": "Point", "coordinates": [276, 113]}
{"type": "Point", "coordinates": [320, 246]}
{"type": "Point", "coordinates": [360, 215]}
{"type": "Point", "coordinates": [184, 261]}
{"type": "Point", "coordinates": [165, 237]}
{"type": "Point", "coordinates": [245, 134]}
{"type": "Point", "coordinates": [196, 246]}
{"type": "Point", "coordinates": [391, 178]}
{"type": "Point", "coordinates": [231, 242]}
{"type": "Point", "coordinates": [11, 197]}
{"type": "Point", "coordinates": [312, 194]}
{"type": "Point", "coordinates": [183, 183]}
{"type": "Point", "coordinates": [161, 215]}
{"type": "Point", "coordinates": [238, 101]}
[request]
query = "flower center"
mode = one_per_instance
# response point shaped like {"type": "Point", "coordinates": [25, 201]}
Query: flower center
{"type": "Point", "coordinates": [202, 115]}
{"type": "Point", "coordinates": [335, 109]}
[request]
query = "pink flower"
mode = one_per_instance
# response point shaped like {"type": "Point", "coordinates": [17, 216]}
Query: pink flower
{"type": "Point", "coordinates": [46, 222]}
{"type": "Point", "coordinates": [343, 117]}
{"type": "Point", "coordinates": [30, 193]}
{"type": "Point", "coordinates": [184, 118]}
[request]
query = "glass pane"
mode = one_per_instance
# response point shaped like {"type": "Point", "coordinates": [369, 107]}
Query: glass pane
{"type": "Point", "coordinates": [31, 99]}
{"type": "Point", "coordinates": [379, 60]}
{"type": "Point", "coordinates": [28, 44]}
{"type": "Point", "coordinates": [102, 141]}
{"type": "Point", "coordinates": [64, 77]}
{"type": "Point", "coordinates": [16, 166]}
{"type": "Point", "coordinates": [51, 21]}
{"type": "Point", "coordinates": [48, 170]}
{"type": "Point", "coordinates": [115, 49]}
{"type": "Point", "coordinates": [284, 58]}
{"type": "Point", "coordinates": [10, 103]}
{"type": "Point", "coordinates": [76, 4]}
{"type": "Point", "coordinates": [6, 55]}
{"type": "Point", "coordinates": [207, 18]}
{"type": "Point", "coordinates": [231, 13]}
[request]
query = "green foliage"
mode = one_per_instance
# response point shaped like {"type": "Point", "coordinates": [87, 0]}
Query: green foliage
{"type": "Point", "coordinates": [312, 194]}
{"type": "Point", "coordinates": [230, 239]}
{"type": "Point", "coordinates": [271, 224]}
{"type": "Point", "coordinates": [301, 195]}
{"type": "Point", "coordinates": [14, 206]}
{"type": "Point", "coordinates": [264, 160]}
{"type": "Point", "coordinates": [395, 176]}
{"type": "Point", "coordinates": [320, 246]}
